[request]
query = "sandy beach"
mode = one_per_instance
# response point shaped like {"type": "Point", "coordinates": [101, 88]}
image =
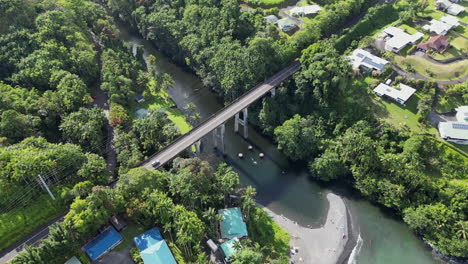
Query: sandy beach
{"type": "Point", "coordinates": [322, 245]}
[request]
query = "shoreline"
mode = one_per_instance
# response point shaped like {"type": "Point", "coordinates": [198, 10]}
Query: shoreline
{"type": "Point", "coordinates": [324, 245]}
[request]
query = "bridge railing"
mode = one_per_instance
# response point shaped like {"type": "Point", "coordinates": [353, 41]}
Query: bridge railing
{"type": "Point", "coordinates": [291, 65]}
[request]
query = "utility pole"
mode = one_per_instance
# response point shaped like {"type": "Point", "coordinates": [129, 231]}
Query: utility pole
{"type": "Point", "coordinates": [46, 187]}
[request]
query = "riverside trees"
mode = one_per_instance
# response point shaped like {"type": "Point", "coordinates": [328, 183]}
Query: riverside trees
{"type": "Point", "coordinates": [415, 175]}
{"type": "Point", "coordinates": [150, 198]}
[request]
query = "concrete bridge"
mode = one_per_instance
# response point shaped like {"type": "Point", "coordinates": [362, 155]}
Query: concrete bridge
{"type": "Point", "coordinates": [216, 122]}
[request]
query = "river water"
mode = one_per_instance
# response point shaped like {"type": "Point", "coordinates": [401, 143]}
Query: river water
{"type": "Point", "coordinates": [284, 187]}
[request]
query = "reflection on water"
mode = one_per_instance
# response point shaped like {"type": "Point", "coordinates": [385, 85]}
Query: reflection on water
{"type": "Point", "coordinates": [285, 188]}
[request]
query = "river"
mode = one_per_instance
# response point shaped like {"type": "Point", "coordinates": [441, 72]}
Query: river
{"type": "Point", "coordinates": [285, 188]}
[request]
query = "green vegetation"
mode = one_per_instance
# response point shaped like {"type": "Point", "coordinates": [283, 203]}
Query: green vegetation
{"type": "Point", "coordinates": [163, 101]}
{"type": "Point", "coordinates": [449, 53]}
{"type": "Point", "coordinates": [450, 71]}
{"type": "Point", "coordinates": [459, 43]}
{"type": "Point", "coordinates": [16, 224]}
{"type": "Point", "coordinates": [181, 202]}
{"type": "Point", "coordinates": [132, 230]}
{"type": "Point", "coordinates": [447, 103]}
{"type": "Point", "coordinates": [378, 145]}
{"type": "Point", "coordinates": [271, 237]}
{"type": "Point", "coordinates": [265, 2]}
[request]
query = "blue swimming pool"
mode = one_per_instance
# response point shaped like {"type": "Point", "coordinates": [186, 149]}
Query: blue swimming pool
{"type": "Point", "coordinates": [102, 243]}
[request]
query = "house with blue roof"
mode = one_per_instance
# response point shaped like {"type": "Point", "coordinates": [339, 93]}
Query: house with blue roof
{"type": "Point", "coordinates": [153, 248]}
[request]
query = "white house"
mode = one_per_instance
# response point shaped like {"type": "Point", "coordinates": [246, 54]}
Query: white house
{"type": "Point", "coordinates": [400, 95]}
{"type": "Point", "coordinates": [361, 58]}
{"type": "Point", "coordinates": [462, 113]}
{"type": "Point", "coordinates": [455, 9]}
{"type": "Point", "coordinates": [271, 19]}
{"type": "Point", "coordinates": [305, 10]}
{"type": "Point", "coordinates": [396, 38]}
{"type": "Point", "coordinates": [437, 27]}
{"type": "Point", "coordinates": [451, 20]}
{"type": "Point", "coordinates": [286, 24]}
{"type": "Point", "coordinates": [449, 7]}
{"type": "Point", "coordinates": [456, 132]}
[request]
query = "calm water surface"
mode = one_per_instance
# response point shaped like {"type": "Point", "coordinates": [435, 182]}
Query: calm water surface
{"type": "Point", "coordinates": [285, 188]}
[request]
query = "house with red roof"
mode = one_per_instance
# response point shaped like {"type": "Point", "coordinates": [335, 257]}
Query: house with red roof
{"type": "Point", "coordinates": [437, 43]}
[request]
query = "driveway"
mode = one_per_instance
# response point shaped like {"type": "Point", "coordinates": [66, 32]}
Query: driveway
{"type": "Point", "coordinates": [117, 257]}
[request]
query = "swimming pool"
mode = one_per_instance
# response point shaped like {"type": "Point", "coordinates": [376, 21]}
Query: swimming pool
{"type": "Point", "coordinates": [104, 242]}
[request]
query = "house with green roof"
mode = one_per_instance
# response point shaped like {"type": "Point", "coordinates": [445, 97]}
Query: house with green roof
{"type": "Point", "coordinates": [73, 260]}
{"type": "Point", "coordinates": [228, 247]}
{"type": "Point", "coordinates": [232, 224]}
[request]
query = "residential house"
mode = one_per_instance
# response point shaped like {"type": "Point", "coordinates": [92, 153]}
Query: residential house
{"type": "Point", "coordinates": [449, 7]}
{"type": "Point", "coordinates": [400, 95]}
{"type": "Point", "coordinates": [363, 59]}
{"type": "Point", "coordinates": [271, 19]}
{"type": "Point", "coordinates": [451, 20]}
{"type": "Point", "coordinates": [286, 24]}
{"type": "Point", "coordinates": [232, 223]}
{"type": "Point", "coordinates": [153, 248]}
{"type": "Point", "coordinates": [436, 43]}
{"type": "Point", "coordinates": [305, 10]}
{"type": "Point", "coordinates": [397, 39]}
{"type": "Point", "coordinates": [456, 132]}
{"type": "Point", "coordinates": [437, 27]}
{"type": "Point", "coordinates": [462, 113]}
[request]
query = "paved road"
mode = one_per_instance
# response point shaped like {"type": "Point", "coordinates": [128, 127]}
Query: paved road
{"type": "Point", "coordinates": [188, 139]}
{"type": "Point", "coordinates": [33, 239]}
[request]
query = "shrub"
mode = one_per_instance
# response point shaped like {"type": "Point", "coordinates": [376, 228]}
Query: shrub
{"type": "Point", "coordinates": [135, 252]}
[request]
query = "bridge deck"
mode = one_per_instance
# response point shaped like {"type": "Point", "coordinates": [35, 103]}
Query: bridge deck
{"type": "Point", "coordinates": [183, 142]}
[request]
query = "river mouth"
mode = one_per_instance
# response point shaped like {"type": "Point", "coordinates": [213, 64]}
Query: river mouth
{"type": "Point", "coordinates": [284, 187]}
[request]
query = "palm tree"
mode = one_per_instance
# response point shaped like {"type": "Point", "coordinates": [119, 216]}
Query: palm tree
{"type": "Point", "coordinates": [462, 229]}
{"type": "Point", "coordinates": [248, 201]}
{"type": "Point", "coordinates": [212, 217]}
{"type": "Point", "coordinates": [237, 245]}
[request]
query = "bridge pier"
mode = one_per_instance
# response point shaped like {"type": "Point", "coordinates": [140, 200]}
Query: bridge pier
{"type": "Point", "coordinates": [197, 146]}
{"type": "Point", "coordinates": [242, 121]}
{"type": "Point", "coordinates": [218, 134]}
{"type": "Point", "coordinates": [273, 92]}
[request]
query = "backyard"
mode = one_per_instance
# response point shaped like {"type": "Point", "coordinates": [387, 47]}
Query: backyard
{"type": "Point", "coordinates": [447, 102]}
{"type": "Point", "coordinates": [450, 71]}
{"type": "Point", "coordinates": [395, 114]}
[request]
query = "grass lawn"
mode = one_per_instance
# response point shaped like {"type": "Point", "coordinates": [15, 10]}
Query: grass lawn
{"type": "Point", "coordinates": [163, 101]}
{"type": "Point", "coordinates": [432, 12]}
{"type": "Point", "coordinates": [132, 230]}
{"type": "Point", "coordinates": [409, 29]}
{"type": "Point", "coordinates": [395, 114]}
{"type": "Point", "coordinates": [462, 30]}
{"type": "Point", "coordinates": [401, 116]}
{"type": "Point", "coordinates": [446, 102]}
{"type": "Point", "coordinates": [442, 72]}
{"type": "Point", "coordinates": [264, 2]}
{"type": "Point", "coordinates": [268, 234]}
{"type": "Point", "coordinates": [459, 43]}
{"type": "Point", "coordinates": [14, 225]}
{"type": "Point", "coordinates": [450, 53]}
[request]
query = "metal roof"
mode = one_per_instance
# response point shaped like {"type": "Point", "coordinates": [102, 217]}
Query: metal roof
{"type": "Point", "coordinates": [232, 225]}
{"type": "Point", "coordinates": [453, 130]}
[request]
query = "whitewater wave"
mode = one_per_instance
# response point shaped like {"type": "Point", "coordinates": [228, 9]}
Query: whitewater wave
{"type": "Point", "coordinates": [356, 250]}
